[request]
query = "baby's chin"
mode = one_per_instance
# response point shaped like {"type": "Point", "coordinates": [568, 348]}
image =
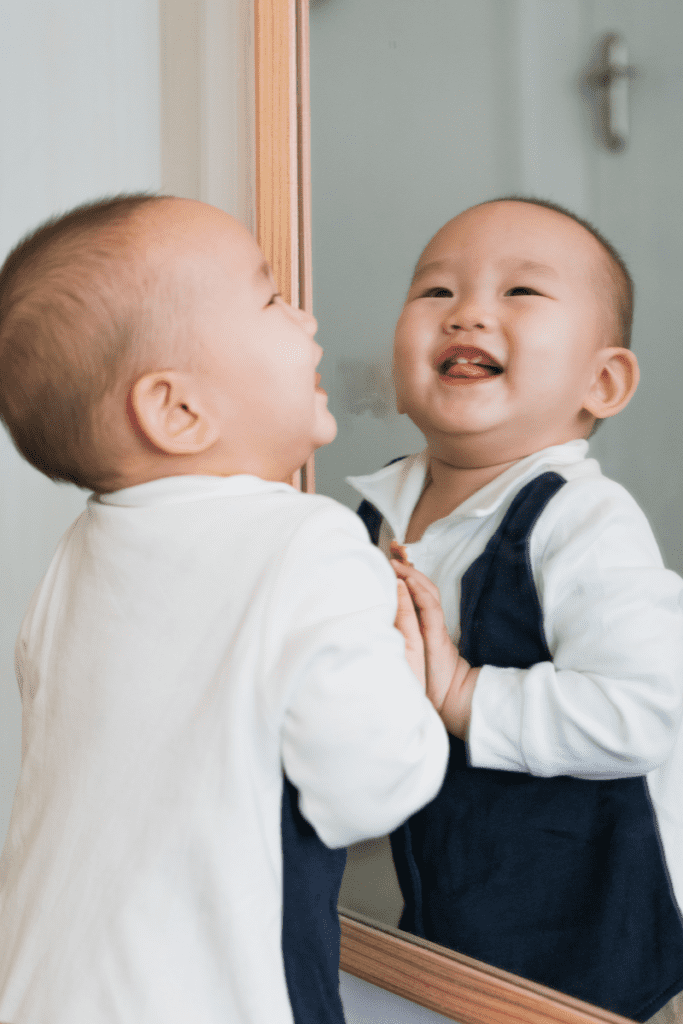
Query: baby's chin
{"type": "Point", "coordinates": [495, 446]}
{"type": "Point", "coordinates": [326, 431]}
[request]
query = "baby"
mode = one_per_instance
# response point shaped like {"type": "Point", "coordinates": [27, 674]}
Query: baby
{"type": "Point", "coordinates": [215, 698]}
{"type": "Point", "coordinates": [552, 633]}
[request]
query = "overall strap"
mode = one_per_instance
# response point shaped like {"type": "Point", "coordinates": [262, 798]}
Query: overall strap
{"type": "Point", "coordinates": [372, 519]}
{"type": "Point", "coordinates": [501, 622]}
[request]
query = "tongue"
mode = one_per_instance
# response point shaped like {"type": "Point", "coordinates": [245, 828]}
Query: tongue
{"type": "Point", "coordinates": [469, 370]}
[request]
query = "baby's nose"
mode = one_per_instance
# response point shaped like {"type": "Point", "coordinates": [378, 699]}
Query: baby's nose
{"type": "Point", "coordinates": [458, 322]}
{"type": "Point", "coordinates": [466, 326]}
{"type": "Point", "coordinates": [467, 316]}
{"type": "Point", "coordinates": [307, 320]}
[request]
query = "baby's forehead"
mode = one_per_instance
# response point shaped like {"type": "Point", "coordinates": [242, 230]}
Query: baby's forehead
{"type": "Point", "coordinates": [515, 236]}
{"type": "Point", "coordinates": [195, 240]}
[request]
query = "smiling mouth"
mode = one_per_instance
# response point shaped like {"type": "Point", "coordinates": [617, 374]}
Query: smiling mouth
{"type": "Point", "coordinates": [461, 362]}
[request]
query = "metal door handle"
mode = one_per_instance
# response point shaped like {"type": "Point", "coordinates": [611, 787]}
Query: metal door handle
{"type": "Point", "coordinates": [612, 78]}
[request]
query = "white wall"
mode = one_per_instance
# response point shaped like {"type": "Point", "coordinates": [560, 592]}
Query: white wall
{"type": "Point", "coordinates": [207, 103]}
{"type": "Point", "coordinates": [82, 122]}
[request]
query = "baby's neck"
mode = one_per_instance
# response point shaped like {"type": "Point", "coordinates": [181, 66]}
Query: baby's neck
{"type": "Point", "coordinates": [446, 487]}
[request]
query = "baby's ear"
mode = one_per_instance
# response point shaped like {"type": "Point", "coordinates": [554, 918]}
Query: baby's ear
{"type": "Point", "coordinates": [171, 415]}
{"type": "Point", "coordinates": [614, 384]}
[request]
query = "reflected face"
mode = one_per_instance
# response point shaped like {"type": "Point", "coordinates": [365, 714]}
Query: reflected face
{"type": "Point", "coordinates": [496, 346]}
{"type": "Point", "coordinates": [255, 354]}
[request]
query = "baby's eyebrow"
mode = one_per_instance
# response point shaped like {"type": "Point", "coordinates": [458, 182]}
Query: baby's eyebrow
{"type": "Point", "coordinates": [529, 267]}
{"type": "Point", "coordinates": [514, 265]}
{"type": "Point", "coordinates": [428, 268]}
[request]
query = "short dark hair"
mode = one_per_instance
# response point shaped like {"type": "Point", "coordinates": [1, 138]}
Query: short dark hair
{"type": "Point", "coordinates": [73, 303]}
{"type": "Point", "coordinates": [622, 288]}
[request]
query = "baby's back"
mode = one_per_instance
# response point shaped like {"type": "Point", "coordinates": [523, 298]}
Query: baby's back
{"type": "Point", "coordinates": [142, 875]}
{"type": "Point", "coordinates": [145, 740]}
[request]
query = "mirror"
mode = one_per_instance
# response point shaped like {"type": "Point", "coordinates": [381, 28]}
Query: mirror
{"type": "Point", "coordinates": [419, 111]}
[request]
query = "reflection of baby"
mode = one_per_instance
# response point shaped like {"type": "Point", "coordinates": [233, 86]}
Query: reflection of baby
{"type": "Point", "coordinates": [202, 626]}
{"type": "Point", "coordinates": [554, 849]}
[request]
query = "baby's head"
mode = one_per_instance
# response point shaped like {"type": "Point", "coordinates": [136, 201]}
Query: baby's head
{"type": "Point", "coordinates": [142, 336]}
{"type": "Point", "coordinates": [515, 333]}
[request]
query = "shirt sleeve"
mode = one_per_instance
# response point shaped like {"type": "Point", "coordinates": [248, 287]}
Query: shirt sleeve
{"type": "Point", "coordinates": [610, 703]}
{"type": "Point", "coordinates": [360, 740]}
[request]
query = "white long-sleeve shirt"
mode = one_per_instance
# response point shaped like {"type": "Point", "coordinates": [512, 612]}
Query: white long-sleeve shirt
{"type": "Point", "coordinates": [610, 703]}
{"type": "Point", "coordinates": [192, 637]}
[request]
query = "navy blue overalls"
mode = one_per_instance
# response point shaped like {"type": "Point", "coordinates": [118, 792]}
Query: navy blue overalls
{"type": "Point", "coordinates": [311, 875]}
{"type": "Point", "coordinates": [559, 880]}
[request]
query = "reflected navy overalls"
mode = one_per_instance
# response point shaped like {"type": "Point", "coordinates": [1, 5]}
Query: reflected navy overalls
{"type": "Point", "coordinates": [559, 880]}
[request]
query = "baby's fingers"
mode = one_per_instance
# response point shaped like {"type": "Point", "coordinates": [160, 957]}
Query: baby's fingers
{"type": "Point", "coordinates": [441, 654]}
{"type": "Point", "coordinates": [407, 622]}
{"type": "Point", "coordinates": [425, 593]}
{"type": "Point", "coordinates": [398, 551]}
{"type": "Point", "coordinates": [406, 616]}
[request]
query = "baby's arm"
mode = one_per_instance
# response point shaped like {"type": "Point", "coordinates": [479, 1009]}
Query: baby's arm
{"type": "Point", "coordinates": [450, 679]}
{"type": "Point", "coordinates": [360, 741]}
{"type": "Point", "coordinates": [608, 701]}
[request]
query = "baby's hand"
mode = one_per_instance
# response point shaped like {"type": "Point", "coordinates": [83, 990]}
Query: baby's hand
{"type": "Point", "coordinates": [407, 623]}
{"type": "Point", "coordinates": [399, 552]}
{"type": "Point", "coordinates": [450, 679]}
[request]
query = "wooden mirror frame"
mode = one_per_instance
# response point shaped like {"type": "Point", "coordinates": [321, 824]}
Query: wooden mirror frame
{"type": "Point", "coordinates": [450, 983]}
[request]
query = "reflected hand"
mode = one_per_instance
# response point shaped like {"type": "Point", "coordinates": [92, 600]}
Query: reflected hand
{"type": "Point", "coordinates": [450, 679]}
{"type": "Point", "coordinates": [407, 623]}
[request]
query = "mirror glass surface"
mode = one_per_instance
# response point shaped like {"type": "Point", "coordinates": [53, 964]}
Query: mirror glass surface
{"type": "Point", "coordinates": [421, 110]}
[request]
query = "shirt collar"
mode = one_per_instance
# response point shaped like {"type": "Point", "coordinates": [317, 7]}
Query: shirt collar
{"type": "Point", "coordinates": [395, 490]}
{"type": "Point", "coordinates": [172, 489]}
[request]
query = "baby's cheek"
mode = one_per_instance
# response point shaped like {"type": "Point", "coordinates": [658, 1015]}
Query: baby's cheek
{"type": "Point", "coordinates": [406, 368]}
{"type": "Point", "coordinates": [290, 352]}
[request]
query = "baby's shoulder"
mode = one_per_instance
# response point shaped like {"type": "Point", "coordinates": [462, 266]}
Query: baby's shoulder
{"type": "Point", "coordinates": [319, 512]}
{"type": "Point", "coordinates": [587, 493]}
{"type": "Point", "coordinates": [591, 512]}
{"type": "Point", "coordinates": [324, 558]}
{"type": "Point", "coordinates": [315, 522]}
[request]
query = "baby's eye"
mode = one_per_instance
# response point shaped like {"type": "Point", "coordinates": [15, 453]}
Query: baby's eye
{"type": "Point", "coordinates": [437, 292]}
{"type": "Point", "coordinates": [521, 290]}
{"type": "Point", "coordinates": [273, 298]}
